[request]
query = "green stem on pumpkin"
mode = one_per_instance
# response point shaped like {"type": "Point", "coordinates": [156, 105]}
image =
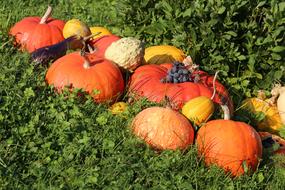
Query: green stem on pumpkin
{"type": "Point", "coordinates": [46, 15]}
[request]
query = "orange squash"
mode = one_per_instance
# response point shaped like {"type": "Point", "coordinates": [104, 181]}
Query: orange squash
{"type": "Point", "coordinates": [32, 33]}
{"type": "Point", "coordinates": [229, 144]}
{"type": "Point", "coordinates": [97, 76]}
{"type": "Point", "coordinates": [163, 128]}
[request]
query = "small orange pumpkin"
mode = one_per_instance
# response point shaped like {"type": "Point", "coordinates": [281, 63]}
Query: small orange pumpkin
{"type": "Point", "coordinates": [230, 145]}
{"type": "Point", "coordinates": [32, 33]}
{"type": "Point", "coordinates": [97, 76]}
{"type": "Point", "coordinates": [163, 128]}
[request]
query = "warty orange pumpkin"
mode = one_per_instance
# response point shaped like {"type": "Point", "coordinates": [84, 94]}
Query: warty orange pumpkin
{"type": "Point", "coordinates": [163, 128]}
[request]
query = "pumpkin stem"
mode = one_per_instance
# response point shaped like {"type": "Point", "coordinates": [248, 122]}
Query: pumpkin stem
{"type": "Point", "coordinates": [214, 84]}
{"type": "Point", "coordinates": [261, 94]}
{"type": "Point", "coordinates": [91, 36]}
{"type": "Point", "coordinates": [227, 115]}
{"type": "Point", "coordinates": [46, 15]}
{"type": "Point", "coordinates": [86, 64]}
{"type": "Point", "coordinates": [275, 92]}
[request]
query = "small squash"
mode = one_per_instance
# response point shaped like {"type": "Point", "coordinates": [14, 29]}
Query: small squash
{"type": "Point", "coordinates": [76, 27]}
{"type": "Point", "coordinates": [103, 31]}
{"type": "Point", "coordinates": [127, 53]}
{"type": "Point", "coordinates": [200, 109]}
{"type": "Point", "coordinates": [272, 121]}
{"type": "Point", "coordinates": [272, 144]}
{"type": "Point", "coordinates": [32, 33]}
{"type": "Point", "coordinates": [163, 128]}
{"type": "Point", "coordinates": [234, 146]}
{"type": "Point", "coordinates": [163, 54]}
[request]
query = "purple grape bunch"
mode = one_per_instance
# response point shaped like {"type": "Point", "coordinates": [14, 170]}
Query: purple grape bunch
{"type": "Point", "coordinates": [177, 74]}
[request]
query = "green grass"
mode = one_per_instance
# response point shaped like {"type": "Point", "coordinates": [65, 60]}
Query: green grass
{"type": "Point", "coordinates": [60, 141]}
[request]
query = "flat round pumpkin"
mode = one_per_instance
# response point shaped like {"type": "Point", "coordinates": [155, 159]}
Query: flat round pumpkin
{"type": "Point", "coordinates": [146, 82]}
{"type": "Point", "coordinates": [97, 76]}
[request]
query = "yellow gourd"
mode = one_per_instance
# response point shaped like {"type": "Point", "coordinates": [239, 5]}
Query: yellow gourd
{"type": "Point", "coordinates": [272, 121]}
{"type": "Point", "coordinates": [75, 27]}
{"type": "Point", "coordinates": [118, 108]}
{"type": "Point", "coordinates": [163, 54]}
{"type": "Point", "coordinates": [200, 109]}
{"type": "Point", "coordinates": [103, 31]}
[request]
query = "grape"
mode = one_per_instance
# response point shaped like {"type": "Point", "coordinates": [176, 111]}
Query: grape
{"type": "Point", "coordinates": [169, 78]}
{"type": "Point", "coordinates": [174, 69]}
{"type": "Point", "coordinates": [176, 75]}
{"type": "Point", "coordinates": [184, 79]}
{"type": "Point", "coordinates": [185, 71]}
{"type": "Point", "coordinates": [180, 71]}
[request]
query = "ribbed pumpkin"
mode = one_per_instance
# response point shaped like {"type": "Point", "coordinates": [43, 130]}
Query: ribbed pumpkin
{"type": "Point", "coordinates": [163, 54]}
{"type": "Point", "coordinates": [32, 33]}
{"type": "Point", "coordinates": [146, 82]}
{"type": "Point", "coordinates": [229, 144]}
{"type": "Point", "coordinates": [163, 128]}
{"type": "Point", "coordinates": [75, 27]}
{"type": "Point", "coordinates": [97, 76]}
{"type": "Point", "coordinates": [103, 31]}
{"type": "Point", "coordinates": [272, 121]}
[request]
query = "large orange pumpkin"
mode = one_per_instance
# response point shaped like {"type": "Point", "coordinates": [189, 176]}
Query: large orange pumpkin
{"type": "Point", "coordinates": [32, 33]}
{"type": "Point", "coordinates": [99, 77]}
{"type": "Point", "coordinates": [146, 82]}
{"type": "Point", "coordinates": [163, 128]}
{"type": "Point", "coordinates": [231, 145]}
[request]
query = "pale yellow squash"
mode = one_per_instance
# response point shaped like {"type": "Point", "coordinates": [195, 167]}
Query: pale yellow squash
{"type": "Point", "coordinates": [75, 27]}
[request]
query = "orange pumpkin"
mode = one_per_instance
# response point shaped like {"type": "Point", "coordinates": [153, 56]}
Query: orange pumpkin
{"type": "Point", "coordinates": [230, 145]}
{"type": "Point", "coordinates": [99, 77]}
{"type": "Point", "coordinates": [163, 128]}
{"type": "Point", "coordinates": [32, 33]}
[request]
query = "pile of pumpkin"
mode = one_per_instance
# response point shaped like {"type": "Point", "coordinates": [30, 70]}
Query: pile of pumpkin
{"type": "Point", "coordinates": [99, 62]}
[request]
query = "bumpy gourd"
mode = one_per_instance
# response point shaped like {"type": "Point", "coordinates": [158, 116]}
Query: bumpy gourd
{"type": "Point", "coordinates": [163, 128]}
{"type": "Point", "coordinates": [127, 53]}
{"type": "Point", "coordinates": [75, 27]}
